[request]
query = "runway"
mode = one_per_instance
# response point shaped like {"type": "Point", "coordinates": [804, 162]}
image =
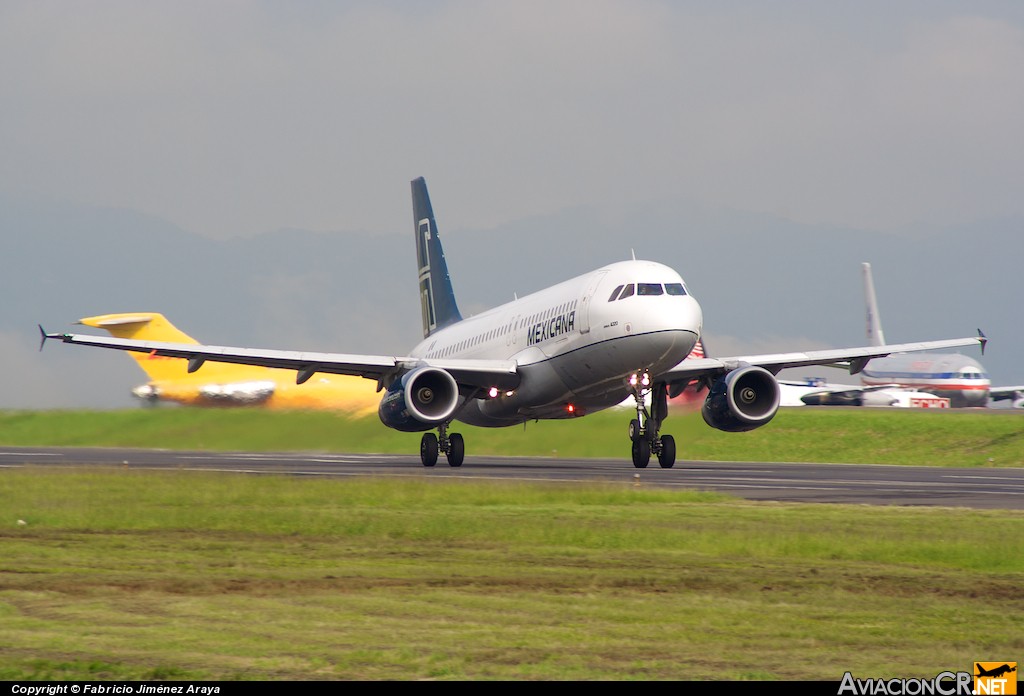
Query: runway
{"type": "Point", "coordinates": [807, 483]}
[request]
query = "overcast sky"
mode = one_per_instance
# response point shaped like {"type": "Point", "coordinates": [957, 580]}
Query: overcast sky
{"type": "Point", "coordinates": [234, 118]}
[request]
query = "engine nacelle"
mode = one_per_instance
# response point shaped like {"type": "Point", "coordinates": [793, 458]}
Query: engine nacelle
{"type": "Point", "coordinates": [419, 400]}
{"type": "Point", "coordinates": [237, 394]}
{"type": "Point", "coordinates": [744, 399]}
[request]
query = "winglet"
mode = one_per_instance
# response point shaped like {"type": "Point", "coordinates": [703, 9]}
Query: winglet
{"type": "Point", "coordinates": [982, 339]}
{"type": "Point", "coordinates": [43, 336]}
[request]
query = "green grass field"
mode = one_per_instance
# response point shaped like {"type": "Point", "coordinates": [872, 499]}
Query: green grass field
{"type": "Point", "coordinates": [119, 574]}
{"type": "Point", "coordinates": [911, 436]}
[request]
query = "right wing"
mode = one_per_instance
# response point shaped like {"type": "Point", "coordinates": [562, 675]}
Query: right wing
{"type": "Point", "coordinates": [478, 374]}
{"type": "Point", "coordinates": [853, 359]}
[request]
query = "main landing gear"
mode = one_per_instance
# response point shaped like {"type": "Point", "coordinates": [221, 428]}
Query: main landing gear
{"type": "Point", "coordinates": [643, 430]}
{"type": "Point", "coordinates": [452, 445]}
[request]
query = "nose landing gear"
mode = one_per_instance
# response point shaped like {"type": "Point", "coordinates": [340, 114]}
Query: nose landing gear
{"type": "Point", "coordinates": [453, 446]}
{"type": "Point", "coordinates": [644, 429]}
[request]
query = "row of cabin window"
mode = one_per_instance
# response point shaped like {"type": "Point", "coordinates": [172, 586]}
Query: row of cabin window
{"type": "Point", "coordinates": [646, 289]}
{"type": "Point", "coordinates": [561, 309]}
{"type": "Point", "coordinates": [476, 340]}
{"type": "Point", "coordinates": [554, 311]}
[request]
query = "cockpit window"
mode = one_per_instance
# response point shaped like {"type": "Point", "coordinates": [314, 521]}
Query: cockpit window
{"type": "Point", "coordinates": [626, 292]}
{"type": "Point", "coordinates": [649, 289]}
{"type": "Point", "coordinates": [675, 289]}
{"type": "Point", "coordinates": [615, 294]}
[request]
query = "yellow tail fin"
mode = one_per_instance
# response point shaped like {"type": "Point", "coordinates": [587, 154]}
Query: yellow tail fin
{"type": "Point", "coordinates": [169, 379]}
{"type": "Point", "coordinates": [147, 326]}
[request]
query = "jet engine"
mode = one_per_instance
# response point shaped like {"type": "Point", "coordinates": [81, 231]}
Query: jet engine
{"type": "Point", "coordinates": [146, 392]}
{"type": "Point", "coordinates": [239, 394]}
{"type": "Point", "coordinates": [419, 400]}
{"type": "Point", "coordinates": [744, 399]}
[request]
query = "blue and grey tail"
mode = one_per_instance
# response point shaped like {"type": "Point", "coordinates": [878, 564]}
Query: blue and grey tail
{"type": "Point", "coordinates": [437, 299]}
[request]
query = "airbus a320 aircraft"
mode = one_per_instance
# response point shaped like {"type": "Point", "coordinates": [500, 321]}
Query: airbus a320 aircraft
{"type": "Point", "coordinates": [574, 348]}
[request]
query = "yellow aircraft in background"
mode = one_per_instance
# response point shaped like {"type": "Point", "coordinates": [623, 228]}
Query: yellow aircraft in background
{"type": "Point", "coordinates": [225, 384]}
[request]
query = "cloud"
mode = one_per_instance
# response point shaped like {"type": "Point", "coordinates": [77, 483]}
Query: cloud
{"type": "Point", "coordinates": [237, 118]}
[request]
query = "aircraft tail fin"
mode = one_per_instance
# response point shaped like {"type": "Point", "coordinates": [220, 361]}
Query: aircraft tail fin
{"type": "Point", "coordinates": [874, 323]}
{"type": "Point", "coordinates": [146, 326]}
{"type": "Point", "coordinates": [437, 299]}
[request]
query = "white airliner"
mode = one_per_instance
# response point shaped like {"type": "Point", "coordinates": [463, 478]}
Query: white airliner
{"type": "Point", "coordinates": [574, 348]}
{"type": "Point", "coordinates": [957, 377]}
{"type": "Point", "coordinates": [923, 380]}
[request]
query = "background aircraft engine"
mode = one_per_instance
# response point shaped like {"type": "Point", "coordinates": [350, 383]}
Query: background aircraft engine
{"type": "Point", "coordinates": [744, 399]}
{"type": "Point", "coordinates": [419, 400]}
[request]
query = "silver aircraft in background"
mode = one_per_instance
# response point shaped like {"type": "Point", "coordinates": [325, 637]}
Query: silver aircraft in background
{"type": "Point", "coordinates": [919, 379]}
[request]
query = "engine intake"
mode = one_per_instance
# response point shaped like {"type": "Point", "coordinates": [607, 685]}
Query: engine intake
{"type": "Point", "coordinates": [419, 400]}
{"type": "Point", "coordinates": [744, 399]}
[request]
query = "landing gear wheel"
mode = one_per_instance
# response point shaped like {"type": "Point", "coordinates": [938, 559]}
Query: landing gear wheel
{"type": "Point", "coordinates": [667, 455]}
{"type": "Point", "coordinates": [456, 450]}
{"type": "Point", "coordinates": [634, 430]}
{"type": "Point", "coordinates": [428, 449]}
{"type": "Point", "coordinates": [641, 453]}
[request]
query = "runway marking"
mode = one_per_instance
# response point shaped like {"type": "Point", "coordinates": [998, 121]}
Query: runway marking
{"type": "Point", "coordinates": [30, 454]}
{"type": "Point", "coordinates": [419, 475]}
{"type": "Point", "coordinates": [765, 486]}
{"type": "Point", "coordinates": [326, 459]}
{"type": "Point", "coordinates": [1015, 479]}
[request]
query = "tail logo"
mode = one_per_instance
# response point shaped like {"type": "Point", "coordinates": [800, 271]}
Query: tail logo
{"type": "Point", "coordinates": [426, 288]}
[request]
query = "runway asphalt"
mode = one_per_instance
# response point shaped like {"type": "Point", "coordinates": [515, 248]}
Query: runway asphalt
{"type": "Point", "coordinates": [808, 483]}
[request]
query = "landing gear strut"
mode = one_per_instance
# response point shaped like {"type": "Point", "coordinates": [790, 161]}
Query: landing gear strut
{"type": "Point", "coordinates": [643, 430]}
{"type": "Point", "coordinates": [452, 445]}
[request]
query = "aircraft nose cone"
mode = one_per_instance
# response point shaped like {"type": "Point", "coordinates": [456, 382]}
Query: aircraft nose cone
{"type": "Point", "coordinates": [676, 328]}
{"type": "Point", "coordinates": [691, 316]}
{"type": "Point", "coordinates": [680, 314]}
{"type": "Point", "coordinates": [669, 314]}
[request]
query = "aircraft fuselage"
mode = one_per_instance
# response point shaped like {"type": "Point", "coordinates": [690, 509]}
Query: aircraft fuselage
{"type": "Point", "coordinates": [574, 345]}
{"type": "Point", "coordinates": [959, 378]}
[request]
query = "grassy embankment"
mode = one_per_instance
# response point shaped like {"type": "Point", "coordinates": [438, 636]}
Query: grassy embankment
{"type": "Point", "coordinates": [946, 438]}
{"type": "Point", "coordinates": [150, 575]}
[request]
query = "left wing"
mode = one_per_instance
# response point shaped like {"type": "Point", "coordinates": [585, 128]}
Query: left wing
{"type": "Point", "coordinates": [853, 359]}
{"type": "Point", "coordinates": [481, 374]}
